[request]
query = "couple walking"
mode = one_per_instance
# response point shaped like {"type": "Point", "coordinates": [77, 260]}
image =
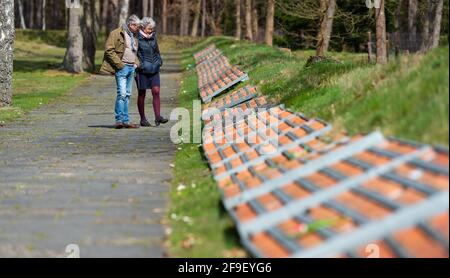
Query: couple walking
{"type": "Point", "coordinates": [132, 51]}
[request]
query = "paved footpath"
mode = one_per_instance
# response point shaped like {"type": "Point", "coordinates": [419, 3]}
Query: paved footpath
{"type": "Point", "coordinates": [67, 177]}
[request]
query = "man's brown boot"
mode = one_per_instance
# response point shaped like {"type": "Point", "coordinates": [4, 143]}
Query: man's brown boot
{"type": "Point", "coordinates": [130, 126]}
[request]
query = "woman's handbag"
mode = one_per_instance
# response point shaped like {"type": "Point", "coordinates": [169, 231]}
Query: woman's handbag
{"type": "Point", "coordinates": [150, 68]}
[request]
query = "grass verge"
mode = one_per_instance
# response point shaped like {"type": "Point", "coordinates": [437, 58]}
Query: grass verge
{"type": "Point", "coordinates": [199, 225]}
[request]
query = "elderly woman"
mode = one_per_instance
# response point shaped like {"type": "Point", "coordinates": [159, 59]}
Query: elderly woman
{"type": "Point", "coordinates": [148, 73]}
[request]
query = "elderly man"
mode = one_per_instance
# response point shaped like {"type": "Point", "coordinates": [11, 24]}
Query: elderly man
{"type": "Point", "coordinates": [121, 60]}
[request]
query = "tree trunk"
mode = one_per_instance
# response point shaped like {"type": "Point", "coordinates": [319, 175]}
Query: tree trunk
{"type": "Point", "coordinates": [89, 34]}
{"type": "Point", "coordinates": [198, 8]}
{"type": "Point", "coordinates": [124, 10]}
{"type": "Point", "coordinates": [213, 10]}
{"type": "Point", "coordinates": [164, 16]}
{"type": "Point", "coordinates": [270, 17]}
{"type": "Point", "coordinates": [412, 24]}
{"type": "Point", "coordinates": [152, 8]}
{"type": "Point", "coordinates": [437, 8]}
{"type": "Point", "coordinates": [328, 8]}
{"type": "Point", "coordinates": [425, 32]}
{"type": "Point", "coordinates": [31, 13]}
{"type": "Point", "coordinates": [397, 26]}
{"type": "Point", "coordinates": [105, 9]}
{"type": "Point", "coordinates": [380, 19]}
{"type": "Point", "coordinates": [255, 24]}
{"type": "Point", "coordinates": [97, 17]}
{"type": "Point", "coordinates": [144, 8]}
{"type": "Point", "coordinates": [38, 14]}
{"type": "Point", "coordinates": [217, 31]}
{"type": "Point", "coordinates": [238, 33]}
{"type": "Point", "coordinates": [204, 13]}
{"type": "Point", "coordinates": [215, 18]}
{"type": "Point", "coordinates": [44, 13]}
{"type": "Point", "coordinates": [6, 51]}
{"type": "Point", "coordinates": [184, 22]}
{"type": "Point", "coordinates": [112, 18]}
{"type": "Point", "coordinates": [100, 13]}
{"type": "Point", "coordinates": [22, 18]}
{"type": "Point", "coordinates": [248, 20]}
{"type": "Point", "coordinates": [412, 15]}
{"type": "Point", "coordinates": [73, 60]}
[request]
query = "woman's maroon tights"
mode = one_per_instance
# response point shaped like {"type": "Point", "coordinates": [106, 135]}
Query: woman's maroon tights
{"type": "Point", "coordinates": [156, 103]}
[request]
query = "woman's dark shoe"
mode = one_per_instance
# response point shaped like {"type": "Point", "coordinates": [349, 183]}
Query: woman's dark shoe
{"type": "Point", "coordinates": [161, 120]}
{"type": "Point", "coordinates": [145, 123]}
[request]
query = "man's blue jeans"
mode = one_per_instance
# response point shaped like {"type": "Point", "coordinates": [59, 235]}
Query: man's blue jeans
{"type": "Point", "coordinates": [124, 81]}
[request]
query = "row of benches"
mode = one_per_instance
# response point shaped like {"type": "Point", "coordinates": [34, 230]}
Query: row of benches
{"type": "Point", "coordinates": [297, 188]}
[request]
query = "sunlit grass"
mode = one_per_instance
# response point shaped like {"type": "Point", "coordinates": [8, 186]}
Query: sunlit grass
{"type": "Point", "coordinates": [37, 79]}
{"type": "Point", "coordinates": [407, 98]}
{"type": "Point", "coordinates": [199, 225]}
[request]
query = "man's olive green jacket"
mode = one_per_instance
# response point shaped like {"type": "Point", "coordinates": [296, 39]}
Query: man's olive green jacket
{"type": "Point", "coordinates": [114, 49]}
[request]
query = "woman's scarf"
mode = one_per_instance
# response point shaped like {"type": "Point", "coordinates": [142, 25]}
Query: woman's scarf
{"type": "Point", "coordinates": [133, 42]}
{"type": "Point", "coordinates": [145, 35]}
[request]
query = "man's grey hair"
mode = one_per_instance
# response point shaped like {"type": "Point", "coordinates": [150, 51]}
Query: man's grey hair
{"type": "Point", "coordinates": [133, 19]}
{"type": "Point", "coordinates": [148, 22]}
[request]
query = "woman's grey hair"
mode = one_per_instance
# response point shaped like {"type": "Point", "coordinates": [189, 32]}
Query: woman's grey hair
{"type": "Point", "coordinates": [148, 22]}
{"type": "Point", "coordinates": [133, 19]}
